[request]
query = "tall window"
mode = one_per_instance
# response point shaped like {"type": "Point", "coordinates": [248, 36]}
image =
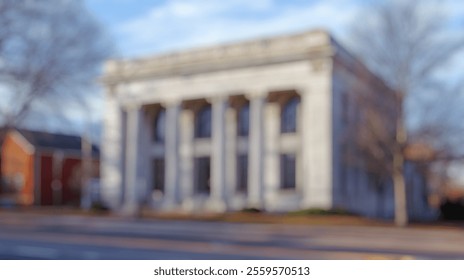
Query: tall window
{"type": "Point", "coordinates": [203, 175]}
{"type": "Point", "coordinates": [158, 175]}
{"type": "Point", "coordinates": [203, 123]}
{"type": "Point", "coordinates": [242, 173]}
{"type": "Point", "coordinates": [345, 108]}
{"type": "Point", "coordinates": [159, 126]}
{"type": "Point", "coordinates": [288, 123]}
{"type": "Point", "coordinates": [288, 171]}
{"type": "Point", "coordinates": [243, 120]}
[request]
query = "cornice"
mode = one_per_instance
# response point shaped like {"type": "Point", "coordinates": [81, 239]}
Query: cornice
{"type": "Point", "coordinates": [303, 46]}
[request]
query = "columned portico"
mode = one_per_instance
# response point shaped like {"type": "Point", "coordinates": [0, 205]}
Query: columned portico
{"type": "Point", "coordinates": [179, 156]}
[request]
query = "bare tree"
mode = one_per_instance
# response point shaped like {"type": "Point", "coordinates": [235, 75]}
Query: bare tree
{"type": "Point", "coordinates": [406, 43]}
{"type": "Point", "coordinates": [49, 50]}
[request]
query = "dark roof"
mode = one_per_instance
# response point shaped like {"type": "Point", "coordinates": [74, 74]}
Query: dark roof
{"type": "Point", "coordinates": [46, 140]}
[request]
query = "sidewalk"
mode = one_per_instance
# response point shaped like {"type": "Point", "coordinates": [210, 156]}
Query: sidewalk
{"type": "Point", "coordinates": [240, 217]}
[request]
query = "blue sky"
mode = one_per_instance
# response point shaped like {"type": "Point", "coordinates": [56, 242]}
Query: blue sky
{"type": "Point", "coordinates": [143, 27]}
{"type": "Point", "coordinates": [151, 26]}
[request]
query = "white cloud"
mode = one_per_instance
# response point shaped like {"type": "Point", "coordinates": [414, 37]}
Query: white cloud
{"type": "Point", "coordinates": [182, 24]}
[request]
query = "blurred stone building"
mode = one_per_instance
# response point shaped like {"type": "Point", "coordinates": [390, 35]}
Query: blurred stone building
{"type": "Point", "coordinates": [257, 124]}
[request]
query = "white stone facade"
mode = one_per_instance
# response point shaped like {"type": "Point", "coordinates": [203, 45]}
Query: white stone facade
{"type": "Point", "coordinates": [309, 69]}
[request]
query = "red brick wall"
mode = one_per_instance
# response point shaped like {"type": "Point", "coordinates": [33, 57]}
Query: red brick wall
{"type": "Point", "coordinates": [17, 161]}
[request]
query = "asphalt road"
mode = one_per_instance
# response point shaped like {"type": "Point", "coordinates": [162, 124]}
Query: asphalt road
{"type": "Point", "coordinates": [39, 236]}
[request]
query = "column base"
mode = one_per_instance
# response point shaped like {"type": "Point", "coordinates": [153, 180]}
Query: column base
{"type": "Point", "coordinates": [169, 205]}
{"type": "Point", "coordinates": [188, 205]}
{"type": "Point", "coordinates": [216, 205]}
{"type": "Point", "coordinates": [256, 204]}
{"type": "Point", "coordinates": [129, 210]}
{"type": "Point", "coordinates": [308, 204]}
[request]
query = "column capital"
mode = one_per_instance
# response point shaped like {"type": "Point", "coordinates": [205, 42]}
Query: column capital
{"type": "Point", "coordinates": [171, 103]}
{"type": "Point", "coordinates": [217, 99]}
{"type": "Point", "coordinates": [111, 89]}
{"type": "Point", "coordinates": [258, 94]}
{"type": "Point", "coordinates": [130, 107]}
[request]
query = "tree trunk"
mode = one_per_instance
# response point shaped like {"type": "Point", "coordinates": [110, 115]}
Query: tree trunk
{"type": "Point", "coordinates": [399, 186]}
{"type": "Point", "coordinates": [399, 182]}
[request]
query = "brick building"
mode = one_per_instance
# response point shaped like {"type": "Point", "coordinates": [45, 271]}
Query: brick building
{"type": "Point", "coordinates": [40, 168]}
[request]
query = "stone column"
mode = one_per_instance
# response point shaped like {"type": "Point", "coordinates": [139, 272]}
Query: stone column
{"type": "Point", "coordinates": [131, 191]}
{"type": "Point", "coordinates": [143, 157]}
{"type": "Point", "coordinates": [186, 158]}
{"type": "Point", "coordinates": [317, 146]}
{"type": "Point", "coordinates": [306, 156]}
{"type": "Point", "coordinates": [218, 170]}
{"type": "Point", "coordinates": [171, 154]}
{"type": "Point", "coordinates": [112, 152]}
{"type": "Point", "coordinates": [255, 152]}
{"type": "Point", "coordinates": [231, 154]}
{"type": "Point", "coordinates": [272, 153]}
